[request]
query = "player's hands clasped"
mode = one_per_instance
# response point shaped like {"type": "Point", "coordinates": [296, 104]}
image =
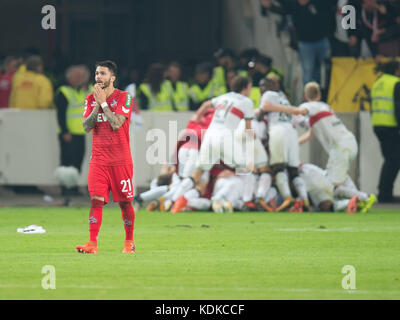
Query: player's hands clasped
{"type": "Point", "coordinates": [99, 94]}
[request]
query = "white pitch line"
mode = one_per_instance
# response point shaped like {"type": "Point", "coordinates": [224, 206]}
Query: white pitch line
{"type": "Point", "coordinates": [295, 290]}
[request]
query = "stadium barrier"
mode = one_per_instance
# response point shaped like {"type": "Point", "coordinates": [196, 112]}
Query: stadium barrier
{"type": "Point", "coordinates": [29, 149]}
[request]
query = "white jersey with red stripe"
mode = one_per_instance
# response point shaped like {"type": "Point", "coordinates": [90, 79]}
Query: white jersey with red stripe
{"type": "Point", "coordinates": [326, 126]}
{"type": "Point", "coordinates": [230, 108]}
{"type": "Point", "coordinates": [276, 98]}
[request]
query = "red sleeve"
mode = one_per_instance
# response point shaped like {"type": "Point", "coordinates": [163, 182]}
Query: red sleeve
{"type": "Point", "coordinates": [124, 107]}
{"type": "Point", "coordinates": [88, 106]}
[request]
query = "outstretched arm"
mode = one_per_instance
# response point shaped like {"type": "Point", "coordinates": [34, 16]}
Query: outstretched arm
{"type": "Point", "coordinates": [203, 108]}
{"type": "Point", "coordinates": [306, 136]}
{"type": "Point", "coordinates": [270, 107]}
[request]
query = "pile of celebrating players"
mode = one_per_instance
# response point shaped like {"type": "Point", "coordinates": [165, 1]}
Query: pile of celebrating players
{"type": "Point", "coordinates": [233, 157]}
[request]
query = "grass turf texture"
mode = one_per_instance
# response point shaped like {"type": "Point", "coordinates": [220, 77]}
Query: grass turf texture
{"type": "Point", "coordinates": [202, 255]}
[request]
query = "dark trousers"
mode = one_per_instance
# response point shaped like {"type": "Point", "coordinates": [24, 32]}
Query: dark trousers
{"type": "Point", "coordinates": [72, 154]}
{"type": "Point", "coordinates": [389, 139]}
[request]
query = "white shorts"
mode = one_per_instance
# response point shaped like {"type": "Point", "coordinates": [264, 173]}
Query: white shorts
{"type": "Point", "coordinates": [253, 149]}
{"type": "Point", "coordinates": [340, 158]}
{"type": "Point", "coordinates": [283, 145]}
{"type": "Point", "coordinates": [187, 158]}
{"type": "Point", "coordinates": [218, 144]}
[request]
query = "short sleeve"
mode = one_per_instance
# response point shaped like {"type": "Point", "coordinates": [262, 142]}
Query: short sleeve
{"type": "Point", "coordinates": [271, 97]}
{"type": "Point", "coordinates": [125, 105]}
{"type": "Point", "coordinates": [88, 107]}
{"type": "Point", "coordinates": [249, 110]}
{"type": "Point", "coordinates": [311, 108]}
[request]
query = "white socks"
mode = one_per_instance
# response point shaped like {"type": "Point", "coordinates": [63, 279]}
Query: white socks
{"type": "Point", "coordinates": [154, 193]}
{"type": "Point", "coordinates": [264, 184]}
{"type": "Point", "coordinates": [300, 187]}
{"type": "Point", "coordinates": [282, 183]}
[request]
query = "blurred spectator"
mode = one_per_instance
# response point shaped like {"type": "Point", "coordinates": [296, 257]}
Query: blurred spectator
{"type": "Point", "coordinates": [225, 61]}
{"type": "Point", "coordinates": [154, 94]}
{"type": "Point", "coordinates": [10, 66]}
{"type": "Point", "coordinates": [204, 87]}
{"type": "Point", "coordinates": [314, 22]}
{"type": "Point", "coordinates": [385, 110]}
{"type": "Point", "coordinates": [245, 57]}
{"type": "Point", "coordinates": [70, 103]}
{"type": "Point", "coordinates": [262, 67]}
{"type": "Point", "coordinates": [133, 80]}
{"type": "Point", "coordinates": [341, 44]}
{"type": "Point", "coordinates": [230, 75]}
{"type": "Point", "coordinates": [180, 89]}
{"type": "Point", "coordinates": [136, 118]}
{"type": "Point", "coordinates": [31, 89]}
{"type": "Point", "coordinates": [377, 30]}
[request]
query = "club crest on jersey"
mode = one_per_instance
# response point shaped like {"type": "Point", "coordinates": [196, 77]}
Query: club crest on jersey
{"type": "Point", "coordinates": [94, 103]}
{"type": "Point", "coordinates": [113, 103]}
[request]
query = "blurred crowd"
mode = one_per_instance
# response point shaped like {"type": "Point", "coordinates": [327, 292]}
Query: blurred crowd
{"type": "Point", "coordinates": [316, 31]}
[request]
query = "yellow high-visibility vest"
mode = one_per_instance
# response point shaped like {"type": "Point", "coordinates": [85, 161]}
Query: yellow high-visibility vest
{"type": "Point", "coordinates": [76, 105]}
{"type": "Point", "coordinates": [382, 106]}
{"type": "Point", "coordinates": [198, 94]}
{"type": "Point", "coordinates": [255, 96]}
{"type": "Point", "coordinates": [180, 94]}
{"type": "Point", "coordinates": [160, 101]}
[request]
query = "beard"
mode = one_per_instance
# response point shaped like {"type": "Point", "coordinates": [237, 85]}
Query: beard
{"type": "Point", "coordinates": [106, 84]}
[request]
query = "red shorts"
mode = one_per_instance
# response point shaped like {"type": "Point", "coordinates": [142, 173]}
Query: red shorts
{"type": "Point", "coordinates": [117, 179]}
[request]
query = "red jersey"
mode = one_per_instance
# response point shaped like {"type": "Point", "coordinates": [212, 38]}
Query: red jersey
{"type": "Point", "coordinates": [5, 88]}
{"type": "Point", "coordinates": [111, 148]}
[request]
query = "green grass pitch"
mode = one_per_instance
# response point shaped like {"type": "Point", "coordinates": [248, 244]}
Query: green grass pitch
{"type": "Point", "coordinates": [202, 255]}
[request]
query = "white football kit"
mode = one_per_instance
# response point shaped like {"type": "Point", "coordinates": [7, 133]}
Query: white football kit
{"type": "Point", "coordinates": [218, 142]}
{"type": "Point", "coordinates": [283, 137]}
{"type": "Point", "coordinates": [255, 150]}
{"type": "Point", "coordinates": [335, 138]}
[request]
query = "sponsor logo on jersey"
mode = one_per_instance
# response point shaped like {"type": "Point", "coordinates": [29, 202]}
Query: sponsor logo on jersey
{"type": "Point", "coordinates": [128, 100]}
{"type": "Point", "coordinates": [101, 117]}
{"type": "Point", "coordinates": [125, 110]}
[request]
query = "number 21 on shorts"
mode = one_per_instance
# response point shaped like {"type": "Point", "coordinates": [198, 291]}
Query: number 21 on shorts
{"type": "Point", "coordinates": [126, 185]}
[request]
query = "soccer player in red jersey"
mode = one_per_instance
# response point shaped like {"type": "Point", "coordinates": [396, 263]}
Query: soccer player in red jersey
{"type": "Point", "coordinates": [107, 113]}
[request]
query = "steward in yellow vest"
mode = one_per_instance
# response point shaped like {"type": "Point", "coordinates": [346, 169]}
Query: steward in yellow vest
{"type": "Point", "coordinates": [204, 87]}
{"type": "Point", "coordinates": [70, 104]}
{"type": "Point", "coordinates": [179, 89]}
{"type": "Point", "coordinates": [160, 101]}
{"type": "Point", "coordinates": [385, 118]}
{"type": "Point", "coordinates": [155, 94]}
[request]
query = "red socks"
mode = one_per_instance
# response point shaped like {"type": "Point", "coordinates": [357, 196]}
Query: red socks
{"type": "Point", "coordinates": [95, 216]}
{"type": "Point", "coordinates": [128, 216]}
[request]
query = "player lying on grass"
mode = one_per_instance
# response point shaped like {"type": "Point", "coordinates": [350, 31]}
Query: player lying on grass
{"type": "Point", "coordinates": [326, 198]}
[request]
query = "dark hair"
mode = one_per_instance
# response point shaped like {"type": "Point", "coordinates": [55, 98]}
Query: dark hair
{"type": "Point", "coordinates": [203, 67]}
{"type": "Point", "coordinates": [33, 62]}
{"type": "Point", "coordinates": [111, 65]}
{"type": "Point", "coordinates": [239, 83]}
{"type": "Point", "coordinates": [267, 84]}
{"type": "Point", "coordinates": [389, 67]}
{"type": "Point", "coordinates": [175, 64]}
{"type": "Point", "coordinates": [155, 76]}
